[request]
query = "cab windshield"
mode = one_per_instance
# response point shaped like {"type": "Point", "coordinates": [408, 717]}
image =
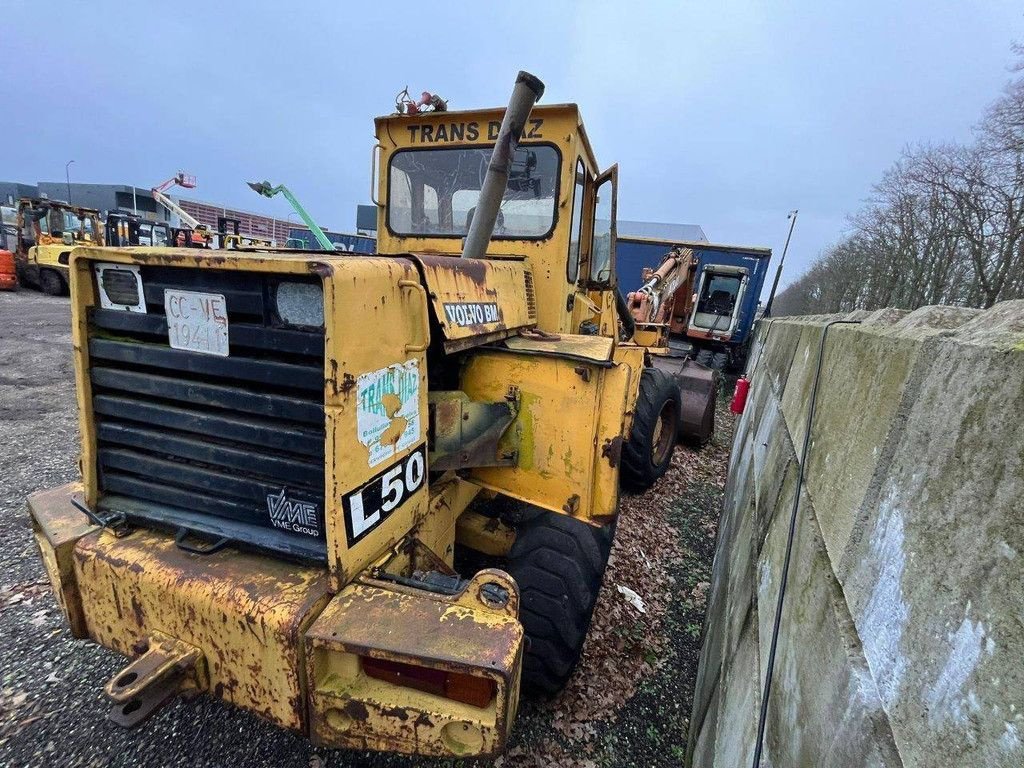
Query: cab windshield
{"type": "Point", "coordinates": [434, 192]}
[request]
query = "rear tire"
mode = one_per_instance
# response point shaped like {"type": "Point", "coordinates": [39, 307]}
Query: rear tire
{"type": "Point", "coordinates": [51, 283]}
{"type": "Point", "coordinates": [719, 361]}
{"type": "Point", "coordinates": [557, 562]}
{"type": "Point", "coordinates": [704, 357]}
{"type": "Point", "coordinates": [648, 452]}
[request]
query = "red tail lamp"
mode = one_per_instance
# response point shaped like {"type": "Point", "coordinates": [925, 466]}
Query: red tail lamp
{"type": "Point", "coordinates": [457, 686]}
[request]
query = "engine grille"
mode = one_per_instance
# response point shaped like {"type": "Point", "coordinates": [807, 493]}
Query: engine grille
{"type": "Point", "coordinates": [230, 447]}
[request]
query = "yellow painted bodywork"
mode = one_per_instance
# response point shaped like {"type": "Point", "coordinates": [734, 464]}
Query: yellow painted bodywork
{"type": "Point", "coordinates": [246, 613]}
{"type": "Point", "coordinates": [460, 633]}
{"type": "Point", "coordinates": [57, 527]}
{"type": "Point", "coordinates": [571, 418]}
{"type": "Point", "coordinates": [559, 125]}
{"type": "Point", "coordinates": [457, 284]}
{"type": "Point", "coordinates": [484, 534]}
{"type": "Point", "coordinates": [359, 292]}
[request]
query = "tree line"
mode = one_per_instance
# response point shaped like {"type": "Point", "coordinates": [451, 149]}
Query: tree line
{"type": "Point", "coordinates": [944, 225]}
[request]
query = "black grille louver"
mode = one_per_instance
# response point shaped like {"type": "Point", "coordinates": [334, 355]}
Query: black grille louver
{"type": "Point", "coordinates": [222, 446]}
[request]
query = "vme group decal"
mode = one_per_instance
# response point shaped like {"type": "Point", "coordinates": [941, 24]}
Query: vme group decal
{"type": "Point", "coordinates": [467, 313]}
{"type": "Point", "coordinates": [293, 515]}
{"type": "Point", "coordinates": [369, 506]}
{"type": "Point", "coordinates": [388, 410]}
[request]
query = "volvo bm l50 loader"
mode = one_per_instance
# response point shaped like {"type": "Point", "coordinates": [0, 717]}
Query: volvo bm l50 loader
{"type": "Point", "coordinates": [288, 459]}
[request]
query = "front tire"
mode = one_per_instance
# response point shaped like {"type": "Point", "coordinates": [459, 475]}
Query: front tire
{"type": "Point", "coordinates": [648, 452]}
{"type": "Point", "coordinates": [558, 562]}
{"type": "Point", "coordinates": [51, 283]}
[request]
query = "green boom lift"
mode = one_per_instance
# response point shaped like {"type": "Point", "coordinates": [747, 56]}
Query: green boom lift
{"type": "Point", "coordinates": [264, 188]}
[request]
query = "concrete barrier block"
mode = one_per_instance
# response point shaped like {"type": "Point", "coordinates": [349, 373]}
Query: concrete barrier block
{"type": "Point", "coordinates": [1001, 326]}
{"type": "Point", "coordinates": [886, 316]}
{"type": "Point", "coordinates": [933, 320]}
{"type": "Point", "coordinates": [704, 735]}
{"type": "Point", "coordinates": [863, 377]}
{"type": "Point", "coordinates": [772, 458]}
{"type": "Point", "coordinates": [935, 582]}
{"type": "Point", "coordinates": [741, 568]}
{"type": "Point", "coordinates": [776, 361]}
{"type": "Point", "coordinates": [739, 706]}
{"type": "Point", "coordinates": [824, 708]}
{"type": "Point", "coordinates": [796, 395]}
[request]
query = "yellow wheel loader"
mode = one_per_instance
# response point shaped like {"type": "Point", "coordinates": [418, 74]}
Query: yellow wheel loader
{"type": "Point", "coordinates": [288, 458]}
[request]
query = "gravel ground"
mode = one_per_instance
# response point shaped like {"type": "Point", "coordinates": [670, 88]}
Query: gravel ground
{"type": "Point", "coordinates": [628, 704]}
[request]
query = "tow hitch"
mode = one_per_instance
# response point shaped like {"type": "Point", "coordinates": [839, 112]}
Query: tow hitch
{"type": "Point", "coordinates": [148, 682]}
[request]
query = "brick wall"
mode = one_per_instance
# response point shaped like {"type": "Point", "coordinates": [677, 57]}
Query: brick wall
{"type": "Point", "coordinates": [250, 224]}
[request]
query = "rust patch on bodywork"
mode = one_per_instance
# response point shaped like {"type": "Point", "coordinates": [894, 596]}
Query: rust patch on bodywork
{"type": "Point", "coordinates": [244, 612]}
{"type": "Point", "coordinates": [612, 450]}
{"type": "Point", "coordinates": [477, 301]}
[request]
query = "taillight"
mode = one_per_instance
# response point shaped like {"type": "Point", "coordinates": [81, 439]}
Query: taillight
{"type": "Point", "coordinates": [468, 689]}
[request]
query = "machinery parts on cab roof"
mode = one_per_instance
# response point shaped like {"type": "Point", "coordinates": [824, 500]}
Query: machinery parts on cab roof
{"type": "Point", "coordinates": [762, 719]}
{"type": "Point", "coordinates": [405, 469]}
{"type": "Point", "coordinates": [265, 189]}
{"type": "Point", "coordinates": [428, 102]}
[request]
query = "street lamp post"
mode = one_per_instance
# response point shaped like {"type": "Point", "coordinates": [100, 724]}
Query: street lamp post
{"type": "Point", "coordinates": [67, 177]}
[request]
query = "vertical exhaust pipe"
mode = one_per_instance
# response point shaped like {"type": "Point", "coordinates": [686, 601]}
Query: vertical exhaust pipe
{"type": "Point", "coordinates": [527, 91]}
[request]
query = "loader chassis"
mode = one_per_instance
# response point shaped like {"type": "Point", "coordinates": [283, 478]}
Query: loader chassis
{"type": "Point", "coordinates": [280, 452]}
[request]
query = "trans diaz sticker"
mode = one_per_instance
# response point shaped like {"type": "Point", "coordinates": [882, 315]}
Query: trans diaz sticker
{"type": "Point", "coordinates": [388, 410]}
{"type": "Point", "coordinates": [369, 506]}
{"type": "Point", "coordinates": [467, 313]}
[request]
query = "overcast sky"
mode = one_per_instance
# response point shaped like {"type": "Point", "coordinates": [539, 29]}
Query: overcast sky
{"type": "Point", "coordinates": [725, 114]}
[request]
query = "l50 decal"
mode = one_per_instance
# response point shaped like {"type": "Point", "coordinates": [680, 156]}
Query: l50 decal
{"type": "Point", "coordinates": [369, 506]}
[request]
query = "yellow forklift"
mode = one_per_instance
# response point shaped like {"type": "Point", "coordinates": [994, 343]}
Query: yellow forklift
{"type": "Point", "coordinates": [47, 231]}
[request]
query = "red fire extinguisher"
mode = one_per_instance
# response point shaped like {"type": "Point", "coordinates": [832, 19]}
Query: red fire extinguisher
{"type": "Point", "coordinates": [739, 395]}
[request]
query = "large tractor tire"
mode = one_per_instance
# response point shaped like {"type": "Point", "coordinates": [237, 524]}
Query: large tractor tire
{"type": "Point", "coordinates": [51, 283]}
{"type": "Point", "coordinates": [704, 357]}
{"type": "Point", "coordinates": [648, 452]}
{"type": "Point", "coordinates": [558, 563]}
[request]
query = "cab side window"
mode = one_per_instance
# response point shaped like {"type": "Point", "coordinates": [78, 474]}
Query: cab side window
{"type": "Point", "coordinates": [572, 269]}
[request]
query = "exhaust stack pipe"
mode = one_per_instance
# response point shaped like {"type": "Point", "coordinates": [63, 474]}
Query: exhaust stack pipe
{"type": "Point", "coordinates": [527, 91]}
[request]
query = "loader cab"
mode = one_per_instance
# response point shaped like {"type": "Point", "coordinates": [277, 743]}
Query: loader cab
{"type": "Point", "coordinates": [558, 212]}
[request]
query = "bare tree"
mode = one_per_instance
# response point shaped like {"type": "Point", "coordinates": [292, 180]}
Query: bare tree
{"type": "Point", "coordinates": [945, 224]}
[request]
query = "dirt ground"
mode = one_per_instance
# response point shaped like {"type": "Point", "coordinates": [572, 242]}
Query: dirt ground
{"type": "Point", "coordinates": [627, 705]}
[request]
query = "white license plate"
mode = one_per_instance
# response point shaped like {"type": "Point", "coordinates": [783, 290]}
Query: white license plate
{"type": "Point", "coordinates": [197, 322]}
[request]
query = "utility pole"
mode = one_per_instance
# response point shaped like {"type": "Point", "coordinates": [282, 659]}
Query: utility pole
{"type": "Point", "coordinates": [778, 272]}
{"type": "Point", "coordinates": [67, 177]}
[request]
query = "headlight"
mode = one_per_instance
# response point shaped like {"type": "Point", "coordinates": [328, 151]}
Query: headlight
{"type": "Point", "coordinates": [120, 287]}
{"type": "Point", "coordinates": [300, 304]}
